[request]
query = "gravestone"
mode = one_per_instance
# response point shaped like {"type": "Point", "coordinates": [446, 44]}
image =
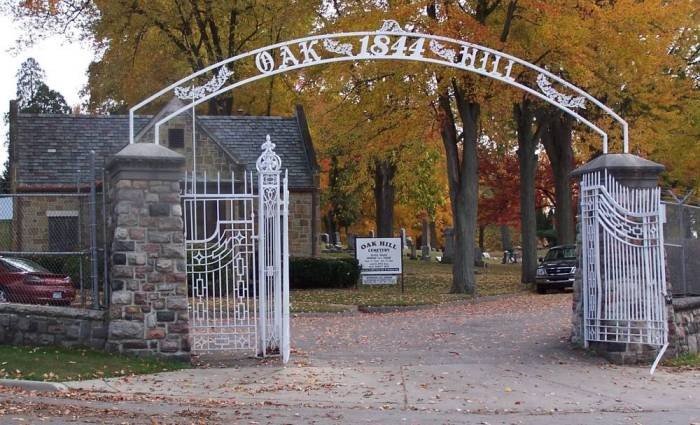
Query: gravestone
{"type": "Point", "coordinates": [426, 234]}
{"type": "Point", "coordinates": [425, 253]}
{"type": "Point", "coordinates": [403, 238]}
{"type": "Point", "coordinates": [336, 239]}
{"type": "Point", "coordinates": [433, 236]}
{"type": "Point", "coordinates": [425, 239]}
{"type": "Point", "coordinates": [371, 233]}
{"type": "Point", "coordinates": [478, 257]}
{"type": "Point", "coordinates": [325, 238]}
{"type": "Point", "coordinates": [448, 254]}
{"type": "Point", "coordinates": [352, 242]}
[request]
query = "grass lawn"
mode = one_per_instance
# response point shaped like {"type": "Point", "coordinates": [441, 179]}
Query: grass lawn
{"type": "Point", "coordinates": [72, 364]}
{"type": "Point", "coordinates": [685, 361]}
{"type": "Point", "coordinates": [425, 283]}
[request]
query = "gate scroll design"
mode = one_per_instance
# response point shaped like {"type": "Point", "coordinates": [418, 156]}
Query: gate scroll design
{"type": "Point", "coordinates": [623, 265]}
{"type": "Point", "coordinates": [237, 267]}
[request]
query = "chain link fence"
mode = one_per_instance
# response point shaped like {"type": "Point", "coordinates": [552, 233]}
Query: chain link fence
{"type": "Point", "coordinates": [52, 247]}
{"type": "Point", "coordinates": [682, 243]}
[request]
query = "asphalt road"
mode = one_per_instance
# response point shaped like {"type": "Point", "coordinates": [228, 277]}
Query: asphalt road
{"type": "Point", "coordinates": [501, 361]}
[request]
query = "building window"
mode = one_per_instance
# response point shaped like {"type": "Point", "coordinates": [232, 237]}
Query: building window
{"type": "Point", "coordinates": [63, 231]}
{"type": "Point", "coordinates": [176, 138]}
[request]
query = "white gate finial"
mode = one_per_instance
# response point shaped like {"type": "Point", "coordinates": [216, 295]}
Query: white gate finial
{"type": "Point", "coordinates": [268, 161]}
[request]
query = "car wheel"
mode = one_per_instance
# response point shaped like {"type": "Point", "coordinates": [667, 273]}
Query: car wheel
{"type": "Point", "coordinates": [541, 289]}
{"type": "Point", "coordinates": [3, 296]}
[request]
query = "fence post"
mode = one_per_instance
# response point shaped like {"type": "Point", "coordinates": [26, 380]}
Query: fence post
{"type": "Point", "coordinates": [93, 234]}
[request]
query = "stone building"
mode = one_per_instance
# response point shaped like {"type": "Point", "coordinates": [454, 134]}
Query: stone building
{"type": "Point", "coordinates": [51, 154]}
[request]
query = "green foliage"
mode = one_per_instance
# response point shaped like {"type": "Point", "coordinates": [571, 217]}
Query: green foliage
{"type": "Point", "coordinates": [684, 361]}
{"type": "Point", "coordinates": [423, 191]}
{"type": "Point", "coordinates": [33, 95]}
{"type": "Point", "coordinates": [307, 273]}
{"type": "Point", "coordinates": [342, 200]}
{"type": "Point", "coordinates": [68, 364]}
{"type": "Point", "coordinates": [545, 227]}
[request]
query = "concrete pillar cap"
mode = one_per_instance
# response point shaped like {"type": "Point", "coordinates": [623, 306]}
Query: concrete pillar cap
{"type": "Point", "coordinates": [620, 163]}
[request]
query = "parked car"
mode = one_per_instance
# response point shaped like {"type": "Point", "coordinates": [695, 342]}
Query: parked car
{"type": "Point", "coordinates": [557, 269]}
{"type": "Point", "coordinates": [24, 281]}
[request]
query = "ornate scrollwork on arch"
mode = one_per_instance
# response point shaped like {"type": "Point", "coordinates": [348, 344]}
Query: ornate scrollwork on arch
{"type": "Point", "coordinates": [391, 25]}
{"type": "Point", "coordinates": [268, 161]}
{"type": "Point", "coordinates": [198, 92]}
{"type": "Point", "coordinates": [564, 100]}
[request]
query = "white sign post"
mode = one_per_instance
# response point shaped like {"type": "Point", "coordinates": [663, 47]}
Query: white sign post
{"type": "Point", "coordinates": [381, 260]}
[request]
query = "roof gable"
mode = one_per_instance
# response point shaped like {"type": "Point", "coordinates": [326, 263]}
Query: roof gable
{"type": "Point", "coordinates": [55, 149]}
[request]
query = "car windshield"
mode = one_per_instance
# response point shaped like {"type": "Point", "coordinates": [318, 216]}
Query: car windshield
{"type": "Point", "coordinates": [568, 253]}
{"type": "Point", "coordinates": [23, 265]}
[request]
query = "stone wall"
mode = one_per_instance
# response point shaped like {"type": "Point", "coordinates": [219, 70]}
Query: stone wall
{"type": "Point", "coordinates": [211, 158]}
{"type": "Point", "coordinates": [31, 222]}
{"type": "Point", "coordinates": [684, 326]}
{"type": "Point", "coordinates": [148, 312]}
{"type": "Point", "coordinates": [33, 325]}
{"type": "Point", "coordinates": [300, 224]}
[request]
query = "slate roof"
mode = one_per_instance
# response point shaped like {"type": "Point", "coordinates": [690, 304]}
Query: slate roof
{"type": "Point", "coordinates": [242, 136]}
{"type": "Point", "coordinates": [55, 149]}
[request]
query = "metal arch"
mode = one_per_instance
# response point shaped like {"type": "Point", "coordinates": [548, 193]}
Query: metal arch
{"type": "Point", "coordinates": [386, 31]}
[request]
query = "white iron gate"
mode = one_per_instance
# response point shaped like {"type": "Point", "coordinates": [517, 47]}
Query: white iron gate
{"type": "Point", "coordinates": [623, 268]}
{"type": "Point", "coordinates": [237, 273]}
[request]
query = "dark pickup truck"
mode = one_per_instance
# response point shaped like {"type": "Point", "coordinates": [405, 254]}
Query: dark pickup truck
{"type": "Point", "coordinates": [557, 269]}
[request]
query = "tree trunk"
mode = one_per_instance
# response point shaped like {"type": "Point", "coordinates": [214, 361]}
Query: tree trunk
{"type": "Point", "coordinates": [524, 117]}
{"type": "Point", "coordinates": [220, 106]}
{"type": "Point", "coordinates": [482, 231]}
{"type": "Point", "coordinates": [506, 239]}
{"type": "Point", "coordinates": [463, 183]}
{"type": "Point", "coordinates": [425, 233]}
{"type": "Point", "coordinates": [556, 138]}
{"type": "Point", "coordinates": [384, 197]}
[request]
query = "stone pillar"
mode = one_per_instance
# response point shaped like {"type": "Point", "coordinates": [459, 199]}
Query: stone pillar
{"type": "Point", "coordinates": [633, 172]}
{"type": "Point", "coordinates": [148, 311]}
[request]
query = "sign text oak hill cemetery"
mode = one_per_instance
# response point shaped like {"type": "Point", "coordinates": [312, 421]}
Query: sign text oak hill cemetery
{"type": "Point", "coordinates": [380, 260]}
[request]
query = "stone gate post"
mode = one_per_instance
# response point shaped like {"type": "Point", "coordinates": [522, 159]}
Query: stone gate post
{"type": "Point", "coordinates": [633, 172]}
{"type": "Point", "coordinates": [148, 311]}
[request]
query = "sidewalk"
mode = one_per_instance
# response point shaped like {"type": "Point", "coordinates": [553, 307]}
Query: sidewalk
{"type": "Point", "coordinates": [472, 388]}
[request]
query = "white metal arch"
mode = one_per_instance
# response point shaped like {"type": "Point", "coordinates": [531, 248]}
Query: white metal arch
{"type": "Point", "coordinates": [335, 51]}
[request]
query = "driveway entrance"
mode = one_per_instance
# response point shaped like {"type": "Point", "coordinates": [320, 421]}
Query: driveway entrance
{"type": "Point", "coordinates": [502, 360]}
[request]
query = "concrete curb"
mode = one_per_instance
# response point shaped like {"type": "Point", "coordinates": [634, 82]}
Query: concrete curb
{"type": "Point", "coordinates": [33, 385]}
{"type": "Point", "coordinates": [393, 308]}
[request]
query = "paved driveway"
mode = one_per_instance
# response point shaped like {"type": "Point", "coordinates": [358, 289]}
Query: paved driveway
{"type": "Point", "coordinates": [505, 360]}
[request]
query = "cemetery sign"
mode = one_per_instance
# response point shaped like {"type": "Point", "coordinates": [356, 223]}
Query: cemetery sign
{"type": "Point", "coordinates": [380, 260]}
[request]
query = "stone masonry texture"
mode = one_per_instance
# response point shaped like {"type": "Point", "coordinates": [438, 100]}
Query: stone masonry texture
{"type": "Point", "coordinates": [33, 325]}
{"type": "Point", "coordinates": [148, 313]}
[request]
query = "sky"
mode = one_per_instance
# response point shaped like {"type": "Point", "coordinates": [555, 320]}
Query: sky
{"type": "Point", "coordinates": [65, 66]}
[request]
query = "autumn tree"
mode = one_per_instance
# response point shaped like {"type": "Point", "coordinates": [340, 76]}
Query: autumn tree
{"type": "Point", "coordinates": [146, 45]}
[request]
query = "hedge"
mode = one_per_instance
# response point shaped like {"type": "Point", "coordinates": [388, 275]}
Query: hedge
{"type": "Point", "coordinates": [306, 273]}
